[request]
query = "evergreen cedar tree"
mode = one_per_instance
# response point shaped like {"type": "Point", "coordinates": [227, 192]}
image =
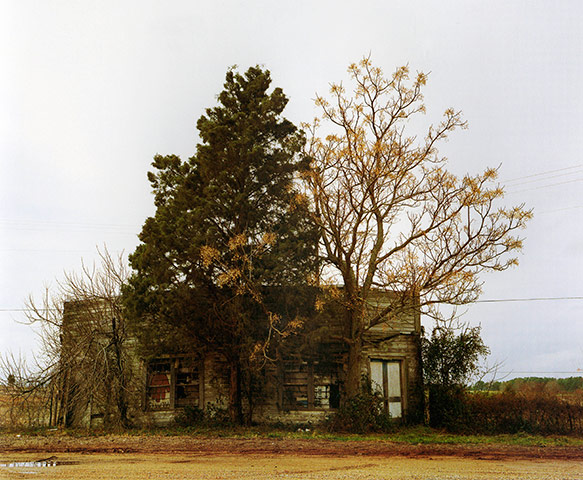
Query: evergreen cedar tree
{"type": "Point", "coordinates": [391, 216]}
{"type": "Point", "coordinates": [230, 234]}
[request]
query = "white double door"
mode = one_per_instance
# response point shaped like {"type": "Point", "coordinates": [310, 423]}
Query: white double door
{"type": "Point", "coordinates": [385, 376]}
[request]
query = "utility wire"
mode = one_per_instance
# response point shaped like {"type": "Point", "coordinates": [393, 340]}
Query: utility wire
{"type": "Point", "coordinates": [541, 177]}
{"type": "Point", "coordinates": [534, 180]}
{"type": "Point", "coordinates": [544, 173]}
{"type": "Point", "coordinates": [28, 310]}
{"type": "Point", "coordinates": [521, 371]}
{"type": "Point", "coordinates": [489, 300]}
{"type": "Point", "coordinates": [534, 299]}
{"type": "Point", "coordinates": [545, 186]}
{"type": "Point", "coordinates": [6, 224]}
{"type": "Point", "coordinates": [559, 210]}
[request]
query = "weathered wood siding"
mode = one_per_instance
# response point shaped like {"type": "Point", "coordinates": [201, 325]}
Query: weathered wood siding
{"type": "Point", "coordinates": [297, 389]}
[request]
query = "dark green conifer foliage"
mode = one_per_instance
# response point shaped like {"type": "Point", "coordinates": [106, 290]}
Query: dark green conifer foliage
{"type": "Point", "coordinates": [229, 224]}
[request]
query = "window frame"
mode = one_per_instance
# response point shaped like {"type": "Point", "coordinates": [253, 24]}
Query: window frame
{"type": "Point", "coordinates": [313, 380]}
{"type": "Point", "coordinates": [175, 401]}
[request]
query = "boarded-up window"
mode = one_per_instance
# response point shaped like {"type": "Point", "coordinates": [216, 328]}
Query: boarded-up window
{"type": "Point", "coordinates": [386, 379]}
{"type": "Point", "coordinates": [307, 385]}
{"type": "Point", "coordinates": [295, 385]}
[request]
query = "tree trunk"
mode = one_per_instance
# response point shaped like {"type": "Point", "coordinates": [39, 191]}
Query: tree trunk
{"type": "Point", "coordinates": [235, 404]}
{"type": "Point", "coordinates": [120, 382]}
{"type": "Point", "coordinates": [64, 413]}
{"type": "Point", "coordinates": [353, 382]}
{"type": "Point", "coordinates": [249, 395]}
{"type": "Point", "coordinates": [353, 374]}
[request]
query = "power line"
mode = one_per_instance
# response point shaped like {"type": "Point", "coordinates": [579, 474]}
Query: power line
{"type": "Point", "coordinates": [546, 186]}
{"type": "Point", "coordinates": [543, 173]}
{"type": "Point", "coordinates": [52, 250]}
{"type": "Point", "coordinates": [541, 177]}
{"type": "Point", "coordinates": [544, 212]}
{"type": "Point", "coordinates": [15, 310]}
{"type": "Point", "coordinates": [534, 180]}
{"type": "Point", "coordinates": [520, 371]}
{"type": "Point", "coordinates": [489, 300]}
{"type": "Point", "coordinates": [533, 299]}
{"type": "Point", "coordinates": [68, 226]}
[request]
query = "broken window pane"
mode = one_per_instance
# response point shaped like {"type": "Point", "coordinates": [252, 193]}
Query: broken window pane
{"type": "Point", "coordinates": [187, 382]}
{"type": "Point", "coordinates": [310, 385]}
{"type": "Point", "coordinates": [322, 396]}
{"type": "Point", "coordinates": [158, 387]}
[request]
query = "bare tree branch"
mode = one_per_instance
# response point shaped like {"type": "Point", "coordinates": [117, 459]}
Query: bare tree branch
{"type": "Point", "coordinates": [391, 216]}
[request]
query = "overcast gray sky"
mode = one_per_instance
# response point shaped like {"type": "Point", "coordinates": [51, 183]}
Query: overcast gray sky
{"type": "Point", "coordinates": [90, 91]}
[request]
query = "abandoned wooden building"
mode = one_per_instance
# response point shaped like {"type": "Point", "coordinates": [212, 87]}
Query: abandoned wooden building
{"type": "Point", "coordinates": [296, 388]}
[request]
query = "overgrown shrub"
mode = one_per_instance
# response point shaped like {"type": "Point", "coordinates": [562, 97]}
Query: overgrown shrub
{"type": "Point", "coordinates": [451, 357]}
{"type": "Point", "coordinates": [529, 411]}
{"type": "Point", "coordinates": [532, 411]}
{"type": "Point", "coordinates": [362, 413]}
{"type": "Point", "coordinates": [189, 416]}
{"type": "Point", "coordinates": [447, 407]}
{"type": "Point", "coordinates": [214, 415]}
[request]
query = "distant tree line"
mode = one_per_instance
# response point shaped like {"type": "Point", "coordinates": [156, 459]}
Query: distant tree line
{"type": "Point", "coordinates": [570, 384]}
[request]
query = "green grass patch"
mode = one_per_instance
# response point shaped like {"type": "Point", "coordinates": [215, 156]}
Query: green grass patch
{"type": "Point", "coordinates": [423, 435]}
{"type": "Point", "coordinates": [407, 435]}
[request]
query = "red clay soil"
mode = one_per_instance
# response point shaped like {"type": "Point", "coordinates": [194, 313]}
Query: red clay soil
{"type": "Point", "coordinates": [267, 446]}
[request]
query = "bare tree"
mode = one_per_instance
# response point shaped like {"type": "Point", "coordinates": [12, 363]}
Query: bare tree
{"type": "Point", "coordinates": [94, 337]}
{"type": "Point", "coordinates": [391, 216]}
{"type": "Point", "coordinates": [83, 368]}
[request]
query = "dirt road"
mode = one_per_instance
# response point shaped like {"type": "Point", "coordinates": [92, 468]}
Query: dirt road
{"type": "Point", "coordinates": [176, 458]}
